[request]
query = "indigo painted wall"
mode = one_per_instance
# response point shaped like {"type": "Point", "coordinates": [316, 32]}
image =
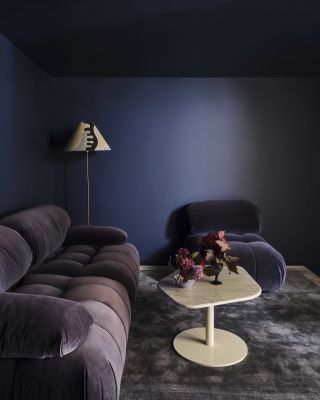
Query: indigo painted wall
{"type": "Point", "coordinates": [25, 171]}
{"type": "Point", "coordinates": [179, 140]}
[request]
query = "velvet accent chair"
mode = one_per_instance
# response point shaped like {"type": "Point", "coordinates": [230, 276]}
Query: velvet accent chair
{"type": "Point", "coordinates": [66, 295]}
{"type": "Point", "coordinates": [242, 221]}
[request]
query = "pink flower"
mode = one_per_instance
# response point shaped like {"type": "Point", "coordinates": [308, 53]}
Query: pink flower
{"type": "Point", "coordinates": [198, 273]}
{"type": "Point", "coordinates": [183, 252]}
{"type": "Point", "coordinates": [213, 252]}
{"type": "Point", "coordinates": [220, 236]}
{"type": "Point", "coordinates": [223, 245]}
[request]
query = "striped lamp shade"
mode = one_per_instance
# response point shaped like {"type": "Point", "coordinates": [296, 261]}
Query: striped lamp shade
{"type": "Point", "coordinates": [87, 138]}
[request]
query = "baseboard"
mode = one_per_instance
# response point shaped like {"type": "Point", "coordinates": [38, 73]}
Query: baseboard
{"type": "Point", "coordinates": [297, 267]}
{"type": "Point", "coordinates": [155, 268]}
{"type": "Point", "coordinates": [301, 268]}
{"type": "Point", "coordinates": [306, 272]}
{"type": "Point", "coordinates": [166, 267]}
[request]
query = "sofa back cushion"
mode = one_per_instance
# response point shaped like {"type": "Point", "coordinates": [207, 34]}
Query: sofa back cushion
{"type": "Point", "coordinates": [237, 216]}
{"type": "Point", "coordinates": [15, 257]}
{"type": "Point", "coordinates": [44, 228]}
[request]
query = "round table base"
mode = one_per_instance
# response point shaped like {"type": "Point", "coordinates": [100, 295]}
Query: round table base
{"type": "Point", "coordinates": [228, 348]}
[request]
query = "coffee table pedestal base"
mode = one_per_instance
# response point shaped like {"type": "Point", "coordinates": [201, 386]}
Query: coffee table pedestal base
{"type": "Point", "coordinates": [227, 349]}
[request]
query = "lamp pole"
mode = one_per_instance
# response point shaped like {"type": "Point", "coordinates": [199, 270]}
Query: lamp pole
{"type": "Point", "coordinates": [88, 189]}
{"type": "Point", "coordinates": [87, 138]}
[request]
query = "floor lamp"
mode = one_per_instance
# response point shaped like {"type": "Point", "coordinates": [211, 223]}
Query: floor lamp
{"type": "Point", "coordinates": [87, 138]}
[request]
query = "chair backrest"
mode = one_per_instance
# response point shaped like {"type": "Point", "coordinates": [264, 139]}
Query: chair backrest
{"type": "Point", "coordinates": [44, 228]}
{"type": "Point", "coordinates": [15, 257]}
{"type": "Point", "coordinates": [236, 216]}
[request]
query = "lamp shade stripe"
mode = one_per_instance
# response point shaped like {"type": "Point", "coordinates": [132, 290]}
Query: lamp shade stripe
{"type": "Point", "coordinates": [87, 138]}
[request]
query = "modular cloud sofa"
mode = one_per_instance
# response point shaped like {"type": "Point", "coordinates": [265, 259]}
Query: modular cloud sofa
{"type": "Point", "coordinates": [242, 222]}
{"type": "Point", "coordinates": [65, 307]}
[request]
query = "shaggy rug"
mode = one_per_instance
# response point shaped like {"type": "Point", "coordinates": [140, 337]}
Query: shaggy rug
{"type": "Point", "coordinates": [281, 329]}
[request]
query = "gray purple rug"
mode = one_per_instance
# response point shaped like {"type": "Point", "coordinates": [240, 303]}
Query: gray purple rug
{"type": "Point", "coordinates": [281, 329]}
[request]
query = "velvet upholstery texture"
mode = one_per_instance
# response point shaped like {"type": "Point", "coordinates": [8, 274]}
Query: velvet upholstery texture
{"type": "Point", "coordinates": [33, 326]}
{"type": "Point", "coordinates": [118, 262]}
{"type": "Point", "coordinates": [94, 370]}
{"type": "Point", "coordinates": [263, 262]}
{"type": "Point", "coordinates": [96, 270]}
{"type": "Point", "coordinates": [15, 257]}
{"type": "Point", "coordinates": [95, 235]}
{"type": "Point", "coordinates": [236, 216]}
{"type": "Point", "coordinates": [44, 228]}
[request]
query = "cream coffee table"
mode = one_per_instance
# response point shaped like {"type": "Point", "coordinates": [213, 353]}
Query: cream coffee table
{"type": "Point", "coordinates": [209, 346]}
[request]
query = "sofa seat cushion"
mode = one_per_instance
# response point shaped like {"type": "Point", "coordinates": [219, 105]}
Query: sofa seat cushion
{"type": "Point", "coordinates": [95, 368]}
{"type": "Point", "coordinates": [117, 262]}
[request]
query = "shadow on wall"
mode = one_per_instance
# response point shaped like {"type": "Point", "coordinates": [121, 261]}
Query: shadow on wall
{"type": "Point", "coordinates": [60, 161]}
{"type": "Point", "coordinates": [24, 115]}
{"type": "Point", "coordinates": [175, 233]}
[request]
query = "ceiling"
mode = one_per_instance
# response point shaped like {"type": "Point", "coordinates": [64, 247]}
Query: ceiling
{"type": "Point", "coordinates": [167, 37]}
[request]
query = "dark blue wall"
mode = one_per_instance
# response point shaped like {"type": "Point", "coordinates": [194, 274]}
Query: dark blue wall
{"type": "Point", "coordinates": [175, 141]}
{"type": "Point", "coordinates": [25, 171]}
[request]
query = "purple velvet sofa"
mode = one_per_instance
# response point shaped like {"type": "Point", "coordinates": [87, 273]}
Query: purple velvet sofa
{"type": "Point", "coordinates": [65, 307]}
{"type": "Point", "coordinates": [242, 222]}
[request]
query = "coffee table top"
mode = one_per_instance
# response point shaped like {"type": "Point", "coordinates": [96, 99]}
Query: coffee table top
{"type": "Point", "coordinates": [234, 288]}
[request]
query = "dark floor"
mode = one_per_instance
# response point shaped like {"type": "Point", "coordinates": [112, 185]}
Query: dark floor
{"type": "Point", "coordinates": [157, 274]}
{"type": "Point", "coordinates": [314, 269]}
{"type": "Point", "coordinates": [281, 329]}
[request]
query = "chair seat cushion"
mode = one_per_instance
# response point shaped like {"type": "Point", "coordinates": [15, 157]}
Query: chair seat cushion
{"type": "Point", "coordinates": [244, 238]}
{"type": "Point", "coordinates": [192, 241]}
{"type": "Point", "coordinates": [265, 264]}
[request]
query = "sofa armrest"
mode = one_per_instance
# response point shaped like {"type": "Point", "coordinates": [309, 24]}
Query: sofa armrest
{"type": "Point", "coordinates": [95, 235]}
{"type": "Point", "coordinates": [36, 326]}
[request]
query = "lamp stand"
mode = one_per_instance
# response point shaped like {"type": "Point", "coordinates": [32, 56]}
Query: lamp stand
{"type": "Point", "coordinates": [87, 138]}
{"type": "Point", "coordinates": [88, 189]}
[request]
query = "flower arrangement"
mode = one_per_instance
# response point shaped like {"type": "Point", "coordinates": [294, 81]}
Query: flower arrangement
{"type": "Point", "coordinates": [210, 259]}
{"type": "Point", "coordinates": [188, 269]}
{"type": "Point", "coordinates": [213, 255]}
